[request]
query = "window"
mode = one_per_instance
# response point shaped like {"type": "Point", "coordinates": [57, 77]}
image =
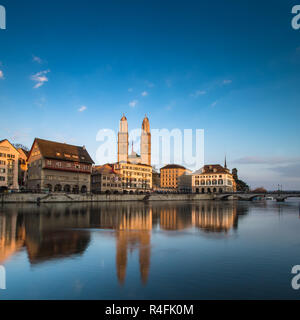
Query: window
{"type": "Point", "coordinates": [49, 162]}
{"type": "Point", "coordinates": [2, 178]}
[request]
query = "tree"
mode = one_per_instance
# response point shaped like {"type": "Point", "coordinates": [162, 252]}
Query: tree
{"type": "Point", "coordinates": [241, 186]}
{"type": "Point", "coordinates": [20, 146]}
{"type": "Point", "coordinates": [259, 190]}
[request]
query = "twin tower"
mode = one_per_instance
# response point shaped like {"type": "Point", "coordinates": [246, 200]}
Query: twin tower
{"type": "Point", "coordinates": [123, 144]}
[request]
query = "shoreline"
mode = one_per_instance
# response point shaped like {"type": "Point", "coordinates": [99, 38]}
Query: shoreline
{"type": "Point", "coordinates": [71, 198]}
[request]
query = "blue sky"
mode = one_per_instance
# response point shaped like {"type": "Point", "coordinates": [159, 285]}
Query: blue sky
{"type": "Point", "coordinates": [228, 67]}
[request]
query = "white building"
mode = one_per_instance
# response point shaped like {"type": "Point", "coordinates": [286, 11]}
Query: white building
{"type": "Point", "coordinates": [209, 179]}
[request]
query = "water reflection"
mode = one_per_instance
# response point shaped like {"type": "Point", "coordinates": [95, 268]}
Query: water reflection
{"type": "Point", "coordinates": [60, 231]}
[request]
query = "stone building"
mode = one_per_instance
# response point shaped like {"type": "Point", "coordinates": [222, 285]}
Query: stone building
{"type": "Point", "coordinates": [135, 170]}
{"type": "Point", "coordinates": [209, 179]}
{"type": "Point", "coordinates": [105, 180]}
{"type": "Point", "coordinates": [9, 161]}
{"type": "Point", "coordinates": [136, 178]}
{"type": "Point", "coordinates": [59, 167]}
{"type": "Point", "coordinates": [123, 144]}
{"type": "Point", "coordinates": [169, 175]}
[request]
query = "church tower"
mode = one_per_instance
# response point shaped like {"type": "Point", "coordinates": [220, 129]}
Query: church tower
{"type": "Point", "coordinates": [123, 141]}
{"type": "Point", "coordinates": [146, 143]}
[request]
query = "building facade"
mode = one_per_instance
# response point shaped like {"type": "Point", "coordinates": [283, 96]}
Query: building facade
{"type": "Point", "coordinates": [9, 162]}
{"type": "Point", "coordinates": [59, 167]}
{"type": "Point", "coordinates": [209, 179]}
{"type": "Point", "coordinates": [170, 174]}
{"type": "Point", "coordinates": [136, 178]}
{"type": "Point", "coordinates": [105, 180]}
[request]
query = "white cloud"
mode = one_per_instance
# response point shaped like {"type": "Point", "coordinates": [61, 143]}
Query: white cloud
{"type": "Point", "coordinates": [198, 93]}
{"type": "Point", "coordinates": [214, 104]}
{"type": "Point", "coordinates": [267, 160]}
{"type": "Point", "coordinates": [227, 81]}
{"type": "Point", "coordinates": [149, 84]}
{"type": "Point", "coordinates": [133, 103]}
{"type": "Point", "coordinates": [37, 59]}
{"type": "Point", "coordinates": [144, 94]}
{"type": "Point", "coordinates": [82, 109]}
{"type": "Point", "coordinates": [40, 78]}
{"type": "Point", "coordinates": [1, 74]}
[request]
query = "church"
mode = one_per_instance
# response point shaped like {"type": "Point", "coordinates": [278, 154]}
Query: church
{"type": "Point", "coordinates": [123, 144]}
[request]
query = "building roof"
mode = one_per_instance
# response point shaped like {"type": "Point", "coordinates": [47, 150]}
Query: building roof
{"type": "Point", "coordinates": [212, 168]}
{"type": "Point", "coordinates": [25, 152]}
{"type": "Point", "coordinates": [105, 169]}
{"type": "Point", "coordinates": [124, 118]}
{"type": "Point", "coordinates": [133, 164]}
{"type": "Point", "coordinates": [9, 143]}
{"type": "Point", "coordinates": [62, 151]}
{"type": "Point", "coordinates": [146, 125]}
{"type": "Point", "coordinates": [173, 166]}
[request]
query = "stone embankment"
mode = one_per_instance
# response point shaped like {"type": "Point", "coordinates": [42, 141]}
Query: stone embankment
{"type": "Point", "coordinates": [63, 197]}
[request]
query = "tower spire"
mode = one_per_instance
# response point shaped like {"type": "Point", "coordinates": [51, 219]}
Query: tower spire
{"type": "Point", "coordinates": [225, 166]}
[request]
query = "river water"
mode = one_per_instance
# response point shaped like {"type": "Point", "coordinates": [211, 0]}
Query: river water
{"type": "Point", "coordinates": [135, 250]}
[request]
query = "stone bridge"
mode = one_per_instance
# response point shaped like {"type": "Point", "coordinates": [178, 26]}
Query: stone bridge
{"type": "Point", "coordinates": [278, 196]}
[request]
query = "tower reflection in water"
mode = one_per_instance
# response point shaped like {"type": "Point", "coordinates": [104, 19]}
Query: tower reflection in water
{"type": "Point", "coordinates": [59, 231]}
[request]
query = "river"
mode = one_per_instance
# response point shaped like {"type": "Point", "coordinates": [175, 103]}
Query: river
{"type": "Point", "coordinates": [136, 250]}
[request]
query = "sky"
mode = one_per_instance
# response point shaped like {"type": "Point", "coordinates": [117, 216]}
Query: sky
{"type": "Point", "coordinates": [232, 68]}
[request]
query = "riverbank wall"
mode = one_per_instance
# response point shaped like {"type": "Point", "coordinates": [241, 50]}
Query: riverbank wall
{"type": "Point", "coordinates": [63, 197]}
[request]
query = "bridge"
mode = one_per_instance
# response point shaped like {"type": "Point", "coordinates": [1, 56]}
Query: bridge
{"type": "Point", "coordinates": [279, 196]}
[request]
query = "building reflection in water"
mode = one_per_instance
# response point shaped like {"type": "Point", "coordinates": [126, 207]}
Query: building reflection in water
{"type": "Point", "coordinates": [57, 231]}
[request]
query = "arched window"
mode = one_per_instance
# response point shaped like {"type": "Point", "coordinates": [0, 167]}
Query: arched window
{"type": "Point", "coordinates": [214, 182]}
{"type": "Point", "coordinates": [208, 182]}
{"type": "Point", "coordinates": [57, 188]}
{"type": "Point", "coordinates": [221, 182]}
{"type": "Point", "coordinates": [202, 182]}
{"type": "Point", "coordinates": [67, 188]}
{"type": "Point", "coordinates": [49, 187]}
{"type": "Point", "coordinates": [83, 189]}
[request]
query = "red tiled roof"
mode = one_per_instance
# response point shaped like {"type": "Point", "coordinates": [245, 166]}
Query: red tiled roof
{"type": "Point", "coordinates": [173, 166]}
